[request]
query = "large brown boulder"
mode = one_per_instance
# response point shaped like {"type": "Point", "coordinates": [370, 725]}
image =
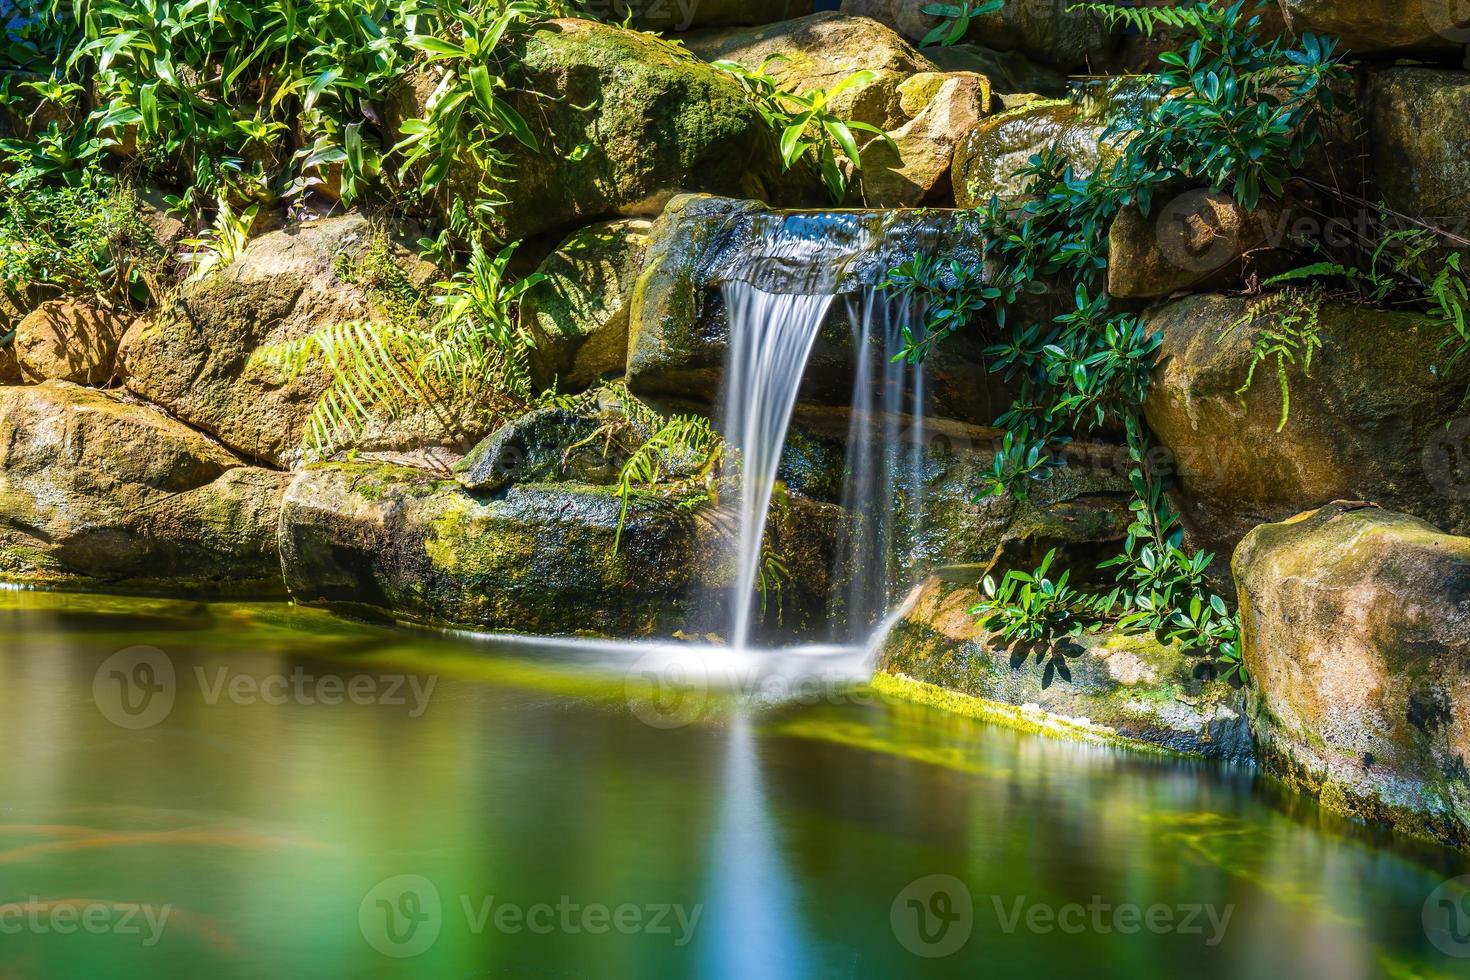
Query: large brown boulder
{"type": "Point", "coordinates": [1355, 626]}
{"type": "Point", "coordinates": [97, 490]}
{"type": "Point", "coordinates": [1187, 242]}
{"type": "Point", "coordinates": [1377, 26]}
{"type": "Point", "coordinates": [1418, 125]}
{"type": "Point", "coordinates": [634, 121]}
{"type": "Point", "coordinates": [1133, 686]}
{"type": "Point", "coordinates": [819, 51]}
{"type": "Point", "coordinates": [577, 316]}
{"type": "Point", "coordinates": [1369, 423]}
{"type": "Point", "coordinates": [191, 356]}
{"type": "Point", "coordinates": [684, 15]}
{"type": "Point", "coordinates": [68, 340]}
{"type": "Point", "coordinates": [1052, 31]}
{"type": "Point", "coordinates": [912, 166]}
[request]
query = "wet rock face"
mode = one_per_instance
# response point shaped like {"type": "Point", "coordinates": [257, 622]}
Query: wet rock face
{"type": "Point", "coordinates": [191, 356]}
{"type": "Point", "coordinates": [547, 445]}
{"type": "Point", "coordinates": [1369, 423]}
{"type": "Point", "coordinates": [679, 333]}
{"type": "Point", "coordinates": [660, 121]}
{"type": "Point", "coordinates": [1356, 629]}
{"type": "Point", "coordinates": [68, 340]}
{"type": "Point", "coordinates": [96, 490]}
{"type": "Point", "coordinates": [1418, 121]}
{"type": "Point", "coordinates": [1379, 26]}
{"type": "Point", "coordinates": [1043, 29]}
{"type": "Point", "coordinates": [989, 156]}
{"type": "Point", "coordinates": [819, 51]}
{"type": "Point", "coordinates": [1136, 686]}
{"type": "Point", "coordinates": [578, 315]}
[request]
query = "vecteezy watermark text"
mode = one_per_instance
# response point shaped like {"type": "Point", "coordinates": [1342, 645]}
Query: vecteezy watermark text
{"type": "Point", "coordinates": [403, 916]}
{"type": "Point", "coordinates": [137, 688]}
{"type": "Point", "coordinates": [69, 917]}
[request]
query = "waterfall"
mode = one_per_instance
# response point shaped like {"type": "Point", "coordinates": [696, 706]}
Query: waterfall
{"type": "Point", "coordinates": [771, 336]}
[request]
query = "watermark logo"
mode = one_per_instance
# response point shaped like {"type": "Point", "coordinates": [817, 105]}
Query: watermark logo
{"type": "Point", "coordinates": [1450, 19]}
{"type": "Point", "coordinates": [1196, 231]}
{"type": "Point", "coordinates": [933, 916]}
{"type": "Point", "coordinates": [665, 691]}
{"type": "Point", "coordinates": [1446, 917]}
{"type": "Point", "coordinates": [401, 916]}
{"type": "Point", "coordinates": [68, 917]}
{"type": "Point", "coordinates": [1446, 459]}
{"type": "Point", "coordinates": [135, 688]}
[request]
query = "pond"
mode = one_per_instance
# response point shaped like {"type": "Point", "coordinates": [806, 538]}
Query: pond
{"type": "Point", "coordinates": [227, 789]}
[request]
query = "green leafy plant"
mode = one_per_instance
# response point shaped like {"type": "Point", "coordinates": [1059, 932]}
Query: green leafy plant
{"type": "Point", "coordinates": [680, 452]}
{"type": "Point", "coordinates": [954, 20]}
{"type": "Point", "coordinates": [807, 125]}
{"type": "Point", "coordinates": [1289, 335]}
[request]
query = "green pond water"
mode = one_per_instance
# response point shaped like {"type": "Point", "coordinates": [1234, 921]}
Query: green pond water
{"type": "Point", "coordinates": [257, 790]}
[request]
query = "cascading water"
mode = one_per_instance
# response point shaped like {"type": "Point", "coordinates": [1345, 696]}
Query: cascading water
{"type": "Point", "coordinates": [771, 337]}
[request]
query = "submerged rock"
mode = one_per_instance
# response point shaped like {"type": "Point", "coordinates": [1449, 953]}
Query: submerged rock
{"type": "Point", "coordinates": [635, 120]}
{"type": "Point", "coordinates": [1054, 32]}
{"type": "Point", "coordinates": [1355, 625]}
{"type": "Point", "coordinates": [578, 315]}
{"type": "Point", "coordinates": [1418, 123]}
{"type": "Point", "coordinates": [96, 490]}
{"type": "Point", "coordinates": [191, 356]}
{"type": "Point", "coordinates": [1369, 423]}
{"type": "Point", "coordinates": [1136, 686]}
{"type": "Point", "coordinates": [68, 340]}
{"type": "Point", "coordinates": [819, 51]}
{"type": "Point", "coordinates": [679, 334]}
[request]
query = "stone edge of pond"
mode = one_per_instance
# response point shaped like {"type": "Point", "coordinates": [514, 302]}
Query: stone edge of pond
{"type": "Point", "coordinates": [1030, 719]}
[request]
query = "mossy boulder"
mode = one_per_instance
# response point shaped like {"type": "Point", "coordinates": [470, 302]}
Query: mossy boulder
{"type": "Point", "coordinates": [68, 340]}
{"type": "Point", "coordinates": [817, 52]}
{"type": "Point", "coordinates": [1189, 241]}
{"type": "Point", "coordinates": [1379, 26]}
{"type": "Point", "coordinates": [1047, 30]}
{"type": "Point", "coordinates": [679, 332]}
{"type": "Point", "coordinates": [99, 491]}
{"type": "Point", "coordinates": [547, 445]}
{"type": "Point", "coordinates": [1369, 423]}
{"type": "Point", "coordinates": [578, 315]}
{"type": "Point", "coordinates": [1135, 686]}
{"type": "Point", "coordinates": [990, 155]}
{"type": "Point", "coordinates": [191, 355]}
{"type": "Point", "coordinates": [1355, 625]}
{"type": "Point", "coordinates": [633, 121]}
{"type": "Point", "coordinates": [1418, 146]}
{"type": "Point", "coordinates": [537, 558]}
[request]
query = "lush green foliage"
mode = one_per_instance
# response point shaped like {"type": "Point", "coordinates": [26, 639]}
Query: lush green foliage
{"type": "Point", "coordinates": [954, 20]}
{"type": "Point", "coordinates": [458, 367]}
{"type": "Point", "coordinates": [806, 123]}
{"type": "Point", "coordinates": [1289, 334]}
{"type": "Point", "coordinates": [1229, 111]}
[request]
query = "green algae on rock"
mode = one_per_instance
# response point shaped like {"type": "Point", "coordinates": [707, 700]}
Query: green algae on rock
{"type": "Point", "coordinates": [1355, 625]}
{"type": "Point", "coordinates": [1133, 687]}
{"type": "Point", "coordinates": [989, 157]}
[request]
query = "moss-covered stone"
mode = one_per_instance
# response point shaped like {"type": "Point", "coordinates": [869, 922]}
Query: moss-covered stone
{"type": "Point", "coordinates": [635, 120]}
{"type": "Point", "coordinates": [991, 154]}
{"type": "Point", "coordinates": [1375, 26]}
{"type": "Point", "coordinates": [1355, 625]}
{"type": "Point", "coordinates": [1368, 424]}
{"type": "Point", "coordinates": [1418, 124]}
{"type": "Point", "coordinates": [912, 166]}
{"type": "Point", "coordinates": [190, 357]}
{"type": "Point", "coordinates": [1133, 687]}
{"type": "Point", "coordinates": [821, 50]}
{"type": "Point", "coordinates": [98, 491]}
{"type": "Point", "coordinates": [578, 315]}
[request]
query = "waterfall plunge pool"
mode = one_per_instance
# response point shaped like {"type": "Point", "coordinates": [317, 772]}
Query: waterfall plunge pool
{"type": "Point", "coordinates": [228, 789]}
